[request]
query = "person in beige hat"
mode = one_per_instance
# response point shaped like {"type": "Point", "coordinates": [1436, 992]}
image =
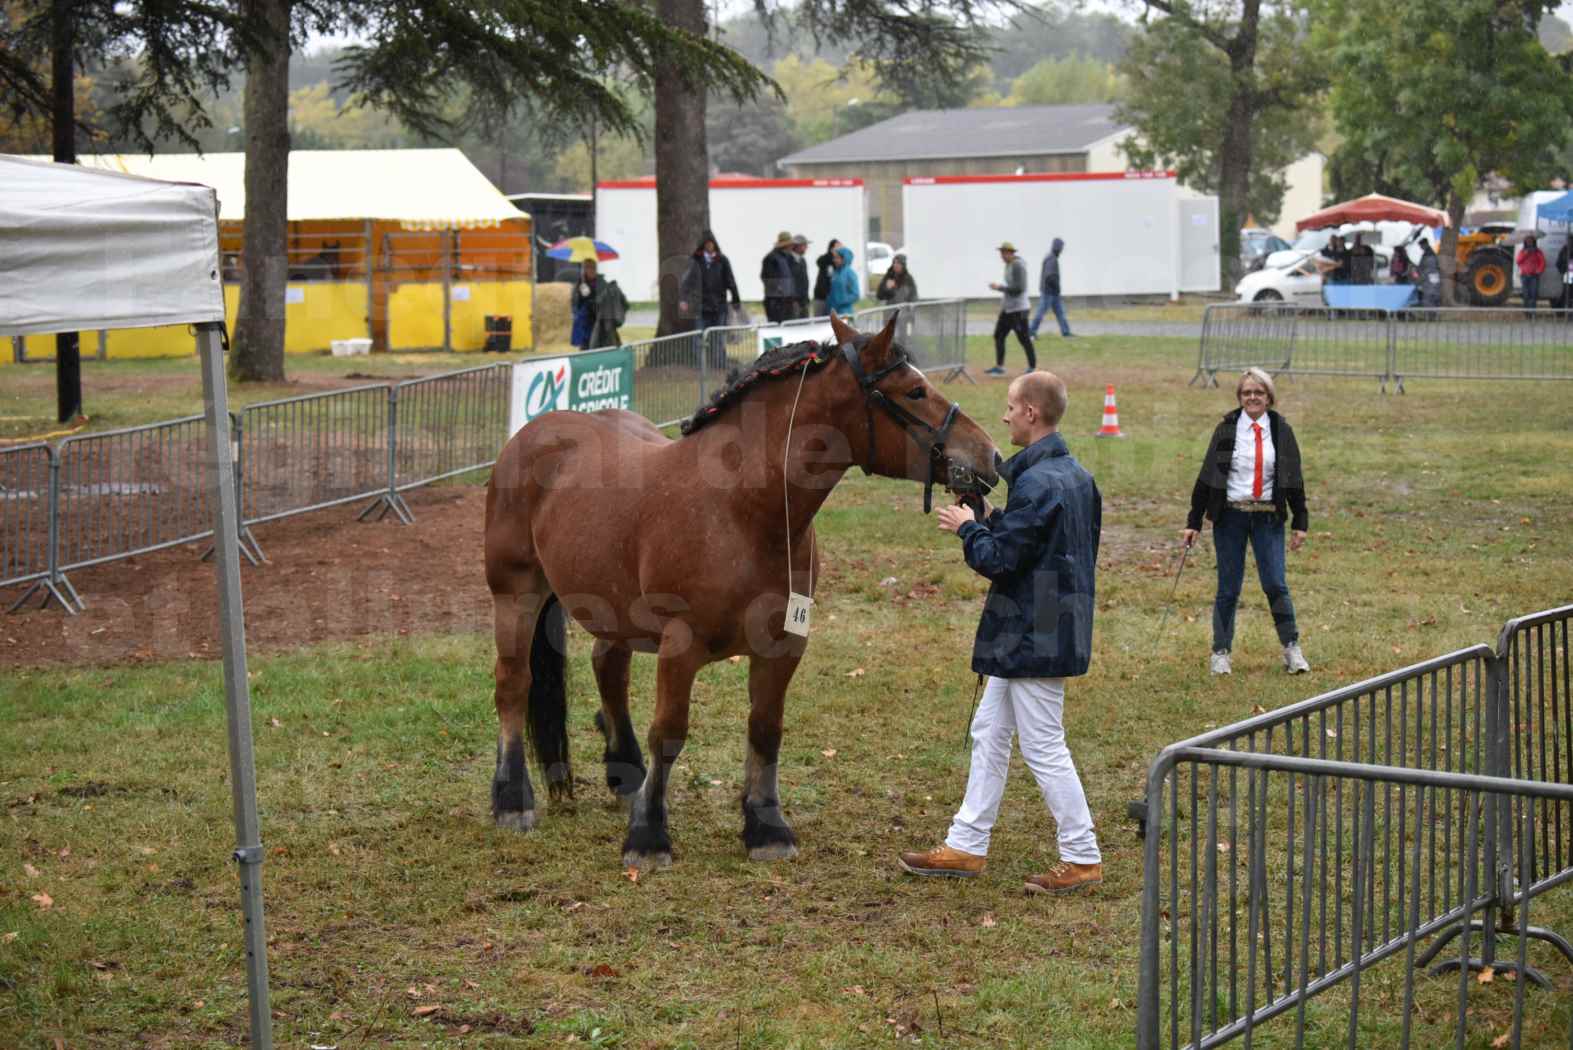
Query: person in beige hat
{"type": "Point", "coordinates": [1015, 306]}
{"type": "Point", "coordinates": [776, 273]}
{"type": "Point", "coordinates": [800, 285]}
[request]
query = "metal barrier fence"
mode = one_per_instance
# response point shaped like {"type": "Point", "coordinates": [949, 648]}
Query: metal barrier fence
{"type": "Point", "coordinates": [934, 332]}
{"type": "Point", "coordinates": [1450, 343]}
{"type": "Point", "coordinates": [100, 497]}
{"type": "Point", "coordinates": [1289, 853]}
{"type": "Point", "coordinates": [28, 476]}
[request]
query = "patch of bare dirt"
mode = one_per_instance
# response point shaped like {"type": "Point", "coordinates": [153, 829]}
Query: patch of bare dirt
{"type": "Point", "coordinates": [328, 578]}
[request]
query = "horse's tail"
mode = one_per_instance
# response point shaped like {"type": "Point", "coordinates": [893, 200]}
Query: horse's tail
{"type": "Point", "coordinates": [546, 721]}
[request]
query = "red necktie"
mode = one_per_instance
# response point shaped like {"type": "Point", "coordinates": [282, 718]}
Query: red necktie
{"type": "Point", "coordinates": [1256, 481]}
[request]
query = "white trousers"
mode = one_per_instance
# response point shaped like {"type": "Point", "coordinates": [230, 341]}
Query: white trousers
{"type": "Point", "coordinates": [1034, 709]}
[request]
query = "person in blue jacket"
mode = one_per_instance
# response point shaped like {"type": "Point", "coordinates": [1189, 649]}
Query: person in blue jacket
{"type": "Point", "coordinates": [844, 288]}
{"type": "Point", "coordinates": [1039, 555]}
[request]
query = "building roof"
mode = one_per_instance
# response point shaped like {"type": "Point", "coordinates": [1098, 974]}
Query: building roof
{"type": "Point", "coordinates": [934, 134]}
{"type": "Point", "coordinates": [418, 188]}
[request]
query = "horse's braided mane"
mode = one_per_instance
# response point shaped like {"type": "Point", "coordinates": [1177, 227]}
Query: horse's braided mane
{"type": "Point", "coordinates": [784, 360]}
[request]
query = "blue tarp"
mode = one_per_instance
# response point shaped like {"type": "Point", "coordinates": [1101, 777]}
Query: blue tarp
{"type": "Point", "coordinates": [1368, 296]}
{"type": "Point", "coordinates": [1558, 210]}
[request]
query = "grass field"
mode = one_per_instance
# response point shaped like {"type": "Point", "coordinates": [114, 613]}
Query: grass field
{"type": "Point", "coordinates": [1436, 516]}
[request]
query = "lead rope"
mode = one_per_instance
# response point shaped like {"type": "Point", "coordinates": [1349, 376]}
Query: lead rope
{"type": "Point", "coordinates": [786, 492]}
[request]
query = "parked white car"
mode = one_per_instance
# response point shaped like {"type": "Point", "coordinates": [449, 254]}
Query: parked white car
{"type": "Point", "coordinates": [878, 255]}
{"type": "Point", "coordinates": [1299, 282]}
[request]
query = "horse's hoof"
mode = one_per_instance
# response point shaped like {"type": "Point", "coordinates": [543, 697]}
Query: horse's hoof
{"type": "Point", "coordinates": [516, 820]}
{"type": "Point", "coordinates": [647, 861]}
{"type": "Point", "coordinates": [773, 851]}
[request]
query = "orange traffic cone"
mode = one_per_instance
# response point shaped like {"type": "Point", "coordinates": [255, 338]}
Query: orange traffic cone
{"type": "Point", "coordinates": [1111, 416]}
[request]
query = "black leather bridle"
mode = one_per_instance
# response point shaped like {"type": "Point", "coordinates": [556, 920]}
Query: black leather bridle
{"type": "Point", "coordinates": [929, 438]}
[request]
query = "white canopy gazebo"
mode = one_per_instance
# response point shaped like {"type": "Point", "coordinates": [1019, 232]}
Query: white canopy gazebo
{"type": "Point", "coordinates": [81, 250]}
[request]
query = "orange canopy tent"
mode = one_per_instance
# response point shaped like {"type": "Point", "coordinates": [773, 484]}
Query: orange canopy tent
{"type": "Point", "coordinates": [1373, 207]}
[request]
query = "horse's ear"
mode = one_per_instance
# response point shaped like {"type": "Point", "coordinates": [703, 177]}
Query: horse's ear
{"type": "Point", "coordinates": [845, 333]}
{"type": "Point", "coordinates": [887, 335]}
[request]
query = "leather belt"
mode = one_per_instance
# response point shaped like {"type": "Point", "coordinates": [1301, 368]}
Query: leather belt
{"type": "Point", "coordinates": [1252, 506]}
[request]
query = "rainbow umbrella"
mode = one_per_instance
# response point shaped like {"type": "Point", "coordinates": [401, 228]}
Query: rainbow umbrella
{"type": "Point", "coordinates": [578, 249]}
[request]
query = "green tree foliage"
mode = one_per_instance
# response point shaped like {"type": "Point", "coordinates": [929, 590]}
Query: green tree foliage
{"type": "Point", "coordinates": [823, 101]}
{"type": "Point", "coordinates": [1434, 95]}
{"type": "Point", "coordinates": [1227, 94]}
{"type": "Point", "coordinates": [749, 137]}
{"type": "Point", "coordinates": [1052, 31]}
{"type": "Point", "coordinates": [319, 121]}
{"type": "Point", "coordinates": [1065, 81]}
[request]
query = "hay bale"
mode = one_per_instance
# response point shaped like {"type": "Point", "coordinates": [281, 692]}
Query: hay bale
{"type": "Point", "coordinates": [553, 315]}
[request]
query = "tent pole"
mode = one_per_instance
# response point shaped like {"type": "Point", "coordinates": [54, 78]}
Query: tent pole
{"type": "Point", "coordinates": [237, 693]}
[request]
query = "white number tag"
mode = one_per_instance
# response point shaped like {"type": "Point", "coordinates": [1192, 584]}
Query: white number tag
{"type": "Point", "coordinates": [797, 614]}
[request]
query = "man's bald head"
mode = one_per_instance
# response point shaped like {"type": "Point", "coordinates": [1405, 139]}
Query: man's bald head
{"type": "Point", "coordinates": [1046, 393]}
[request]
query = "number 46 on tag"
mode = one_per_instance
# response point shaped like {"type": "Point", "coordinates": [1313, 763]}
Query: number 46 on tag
{"type": "Point", "coordinates": [797, 614]}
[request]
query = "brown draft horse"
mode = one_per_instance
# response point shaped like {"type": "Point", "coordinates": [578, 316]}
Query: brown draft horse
{"type": "Point", "coordinates": [680, 548]}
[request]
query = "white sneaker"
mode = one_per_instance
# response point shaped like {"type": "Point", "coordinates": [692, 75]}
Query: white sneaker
{"type": "Point", "coordinates": [1294, 659]}
{"type": "Point", "coordinates": [1219, 664]}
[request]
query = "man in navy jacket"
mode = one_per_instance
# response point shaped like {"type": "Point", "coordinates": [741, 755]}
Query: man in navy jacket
{"type": "Point", "coordinates": [1039, 554]}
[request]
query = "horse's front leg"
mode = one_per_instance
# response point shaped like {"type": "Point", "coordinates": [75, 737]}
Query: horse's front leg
{"type": "Point", "coordinates": [648, 844]}
{"type": "Point", "coordinates": [766, 833]}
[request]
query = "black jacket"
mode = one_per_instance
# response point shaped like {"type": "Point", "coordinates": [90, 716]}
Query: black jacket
{"type": "Point", "coordinates": [897, 289]}
{"type": "Point", "coordinates": [799, 277]}
{"type": "Point", "coordinates": [706, 287]}
{"type": "Point", "coordinates": [1211, 492]}
{"type": "Point", "coordinates": [1040, 555]}
{"type": "Point", "coordinates": [776, 274]}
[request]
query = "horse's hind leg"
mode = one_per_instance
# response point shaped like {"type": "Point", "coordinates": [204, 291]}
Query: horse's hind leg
{"type": "Point", "coordinates": [516, 610]}
{"type": "Point", "coordinates": [624, 762]}
{"type": "Point", "coordinates": [766, 833]}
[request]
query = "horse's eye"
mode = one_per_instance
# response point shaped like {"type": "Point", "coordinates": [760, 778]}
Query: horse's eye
{"type": "Point", "coordinates": [917, 393]}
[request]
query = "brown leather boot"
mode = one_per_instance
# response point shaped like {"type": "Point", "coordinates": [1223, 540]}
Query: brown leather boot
{"type": "Point", "coordinates": [942, 860]}
{"type": "Point", "coordinates": [1065, 877]}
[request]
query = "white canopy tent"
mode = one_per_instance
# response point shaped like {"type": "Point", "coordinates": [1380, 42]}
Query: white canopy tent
{"type": "Point", "coordinates": [82, 249]}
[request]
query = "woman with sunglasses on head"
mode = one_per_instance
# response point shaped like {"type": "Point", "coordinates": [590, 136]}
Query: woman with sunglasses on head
{"type": "Point", "coordinates": [1250, 484]}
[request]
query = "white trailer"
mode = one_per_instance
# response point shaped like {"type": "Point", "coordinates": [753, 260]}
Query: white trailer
{"type": "Point", "coordinates": [1125, 233]}
{"type": "Point", "coordinates": [745, 216]}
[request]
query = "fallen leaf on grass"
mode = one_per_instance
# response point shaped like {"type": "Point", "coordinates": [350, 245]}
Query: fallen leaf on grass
{"type": "Point", "coordinates": [425, 1011]}
{"type": "Point", "coordinates": [1486, 976]}
{"type": "Point", "coordinates": [1502, 1040]}
{"type": "Point", "coordinates": [1258, 709]}
{"type": "Point", "coordinates": [829, 752]}
{"type": "Point", "coordinates": [10, 936]}
{"type": "Point", "coordinates": [465, 1029]}
{"type": "Point", "coordinates": [275, 723]}
{"type": "Point", "coordinates": [988, 920]}
{"type": "Point", "coordinates": [856, 672]}
{"type": "Point", "coordinates": [44, 901]}
{"type": "Point", "coordinates": [632, 874]}
{"type": "Point", "coordinates": [602, 970]}
{"type": "Point", "coordinates": [31, 871]}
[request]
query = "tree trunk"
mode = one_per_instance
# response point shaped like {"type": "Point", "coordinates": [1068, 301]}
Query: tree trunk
{"type": "Point", "coordinates": [258, 354]}
{"type": "Point", "coordinates": [1234, 160]}
{"type": "Point", "coordinates": [68, 358]}
{"type": "Point", "coordinates": [682, 167]}
{"type": "Point", "coordinates": [1448, 252]}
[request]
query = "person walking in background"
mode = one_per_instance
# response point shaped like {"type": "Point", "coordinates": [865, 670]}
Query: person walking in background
{"type": "Point", "coordinates": [776, 274]}
{"type": "Point", "coordinates": [586, 294]}
{"type": "Point", "coordinates": [706, 284]}
{"type": "Point", "coordinates": [1014, 306]}
{"type": "Point", "coordinates": [826, 265]}
{"type": "Point", "coordinates": [1040, 556]}
{"type": "Point", "coordinates": [800, 287]}
{"type": "Point", "coordinates": [1249, 484]}
{"type": "Point", "coordinates": [1531, 264]}
{"type": "Point", "coordinates": [1429, 276]}
{"type": "Point", "coordinates": [1049, 291]}
{"type": "Point", "coordinates": [845, 291]}
{"type": "Point", "coordinates": [1362, 262]}
{"type": "Point", "coordinates": [897, 286]}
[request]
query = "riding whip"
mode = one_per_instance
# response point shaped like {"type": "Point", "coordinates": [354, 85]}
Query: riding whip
{"type": "Point", "coordinates": [1184, 552]}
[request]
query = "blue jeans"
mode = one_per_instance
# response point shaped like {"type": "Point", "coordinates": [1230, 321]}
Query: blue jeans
{"type": "Point", "coordinates": [1046, 302]}
{"type": "Point", "coordinates": [1266, 535]}
{"type": "Point", "coordinates": [1531, 282]}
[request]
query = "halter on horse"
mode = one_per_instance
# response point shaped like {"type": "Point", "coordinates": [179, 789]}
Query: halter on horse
{"type": "Point", "coordinates": [688, 549]}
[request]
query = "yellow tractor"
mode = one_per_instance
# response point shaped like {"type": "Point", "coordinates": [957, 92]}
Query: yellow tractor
{"type": "Point", "coordinates": [1485, 265]}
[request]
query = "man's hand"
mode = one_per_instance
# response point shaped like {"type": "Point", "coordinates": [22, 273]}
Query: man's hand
{"type": "Point", "coordinates": [951, 519]}
{"type": "Point", "coordinates": [1296, 539]}
{"type": "Point", "coordinates": [996, 286]}
{"type": "Point", "coordinates": [1189, 536]}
